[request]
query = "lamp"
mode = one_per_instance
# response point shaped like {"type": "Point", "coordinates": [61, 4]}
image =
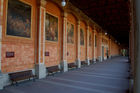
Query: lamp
{"type": "Point", "coordinates": [63, 3]}
{"type": "Point", "coordinates": [105, 33]}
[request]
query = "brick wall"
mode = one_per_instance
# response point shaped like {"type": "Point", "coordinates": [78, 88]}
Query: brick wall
{"type": "Point", "coordinates": [83, 47]}
{"type": "Point", "coordinates": [71, 48]}
{"type": "Point", "coordinates": [114, 49]}
{"type": "Point", "coordinates": [91, 47]}
{"type": "Point", "coordinates": [24, 48]}
{"type": "Point", "coordinates": [54, 48]}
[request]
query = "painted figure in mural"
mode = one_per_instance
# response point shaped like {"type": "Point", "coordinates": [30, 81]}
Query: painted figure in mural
{"type": "Point", "coordinates": [51, 28]}
{"type": "Point", "coordinates": [90, 39]}
{"type": "Point", "coordinates": [81, 36]}
{"type": "Point", "coordinates": [18, 19]}
{"type": "Point", "coordinates": [70, 33]}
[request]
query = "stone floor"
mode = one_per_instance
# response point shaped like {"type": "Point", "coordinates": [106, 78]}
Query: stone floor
{"type": "Point", "coordinates": [110, 76]}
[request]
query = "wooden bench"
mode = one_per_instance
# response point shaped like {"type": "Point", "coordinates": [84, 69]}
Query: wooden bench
{"type": "Point", "coordinates": [18, 76]}
{"type": "Point", "coordinates": [72, 65]}
{"type": "Point", "coordinates": [52, 70]}
{"type": "Point", "coordinates": [83, 63]}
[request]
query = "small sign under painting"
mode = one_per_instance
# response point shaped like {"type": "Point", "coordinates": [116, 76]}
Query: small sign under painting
{"type": "Point", "coordinates": [10, 54]}
{"type": "Point", "coordinates": [47, 53]}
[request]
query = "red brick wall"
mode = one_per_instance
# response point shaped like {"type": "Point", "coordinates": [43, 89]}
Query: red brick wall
{"type": "Point", "coordinates": [114, 49]}
{"type": "Point", "coordinates": [99, 43]}
{"type": "Point", "coordinates": [106, 44]}
{"type": "Point", "coordinates": [71, 48]}
{"type": "Point", "coordinates": [24, 48]}
{"type": "Point", "coordinates": [91, 47]}
{"type": "Point", "coordinates": [83, 48]}
{"type": "Point", "coordinates": [54, 48]}
{"type": "Point", "coordinates": [96, 53]}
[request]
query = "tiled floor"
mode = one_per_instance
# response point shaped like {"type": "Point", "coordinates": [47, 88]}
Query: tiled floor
{"type": "Point", "coordinates": [110, 76]}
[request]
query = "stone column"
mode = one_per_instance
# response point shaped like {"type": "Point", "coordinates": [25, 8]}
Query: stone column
{"type": "Point", "coordinates": [137, 47]}
{"type": "Point", "coordinates": [1, 22]}
{"type": "Point", "coordinates": [40, 68]}
{"type": "Point", "coordinates": [78, 62]}
{"type": "Point", "coordinates": [64, 64]}
{"type": "Point", "coordinates": [87, 57]}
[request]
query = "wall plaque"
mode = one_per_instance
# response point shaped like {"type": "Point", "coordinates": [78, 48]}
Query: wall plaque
{"type": "Point", "coordinates": [47, 53]}
{"type": "Point", "coordinates": [10, 54]}
{"type": "Point", "coordinates": [67, 53]}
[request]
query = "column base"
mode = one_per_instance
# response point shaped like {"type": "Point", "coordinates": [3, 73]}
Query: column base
{"type": "Point", "coordinates": [109, 57]}
{"type": "Point", "coordinates": [94, 60]}
{"type": "Point", "coordinates": [64, 66]}
{"type": "Point", "coordinates": [105, 58]}
{"type": "Point", "coordinates": [1, 82]}
{"type": "Point", "coordinates": [88, 62]}
{"type": "Point", "coordinates": [40, 71]}
{"type": "Point", "coordinates": [78, 63]}
{"type": "Point", "coordinates": [100, 59]}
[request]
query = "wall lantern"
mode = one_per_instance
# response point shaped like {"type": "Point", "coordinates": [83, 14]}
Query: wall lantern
{"type": "Point", "coordinates": [63, 3]}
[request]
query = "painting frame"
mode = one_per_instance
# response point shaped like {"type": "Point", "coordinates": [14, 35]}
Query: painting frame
{"type": "Point", "coordinates": [90, 38]}
{"type": "Point", "coordinates": [73, 32]}
{"type": "Point", "coordinates": [82, 43]}
{"type": "Point", "coordinates": [51, 14]}
{"type": "Point", "coordinates": [31, 16]}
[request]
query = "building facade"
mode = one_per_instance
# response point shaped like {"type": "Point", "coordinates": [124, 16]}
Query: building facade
{"type": "Point", "coordinates": [35, 34]}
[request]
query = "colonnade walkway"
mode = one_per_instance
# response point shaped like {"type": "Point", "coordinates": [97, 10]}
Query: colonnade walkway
{"type": "Point", "coordinates": [110, 76]}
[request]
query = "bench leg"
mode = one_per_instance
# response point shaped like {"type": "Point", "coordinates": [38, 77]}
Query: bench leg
{"type": "Point", "coordinates": [16, 83]}
{"type": "Point", "coordinates": [33, 79]}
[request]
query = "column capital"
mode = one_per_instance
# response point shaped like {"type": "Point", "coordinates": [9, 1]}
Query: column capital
{"type": "Point", "coordinates": [42, 3]}
{"type": "Point", "coordinates": [87, 27]}
{"type": "Point", "coordinates": [64, 14]}
{"type": "Point", "coordinates": [78, 22]}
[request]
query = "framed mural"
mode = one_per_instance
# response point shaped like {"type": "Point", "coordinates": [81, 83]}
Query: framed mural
{"type": "Point", "coordinates": [82, 36]}
{"type": "Point", "coordinates": [51, 27]}
{"type": "Point", "coordinates": [18, 19]}
{"type": "Point", "coordinates": [70, 33]}
{"type": "Point", "coordinates": [90, 39]}
{"type": "Point", "coordinates": [95, 41]}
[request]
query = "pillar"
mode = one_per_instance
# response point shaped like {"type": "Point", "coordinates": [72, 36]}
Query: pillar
{"type": "Point", "coordinates": [64, 64]}
{"type": "Point", "coordinates": [78, 62]}
{"type": "Point", "coordinates": [40, 68]}
{"type": "Point", "coordinates": [87, 52]}
{"type": "Point", "coordinates": [1, 22]}
{"type": "Point", "coordinates": [137, 47]}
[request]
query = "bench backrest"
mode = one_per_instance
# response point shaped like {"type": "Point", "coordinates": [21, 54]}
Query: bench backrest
{"type": "Point", "coordinates": [83, 62]}
{"type": "Point", "coordinates": [53, 68]}
{"type": "Point", "coordinates": [71, 64]}
{"type": "Point", "coordinates": [20, 74]}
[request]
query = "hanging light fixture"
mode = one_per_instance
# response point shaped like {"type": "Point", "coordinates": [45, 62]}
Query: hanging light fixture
{"type": "Point", "coordinates": [105, 33]}
{"type": "Point", "coordinates": [63, 3]}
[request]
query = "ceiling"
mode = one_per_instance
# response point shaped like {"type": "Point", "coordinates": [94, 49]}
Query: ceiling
{"type": "Point", "coordinates": [111, 15]}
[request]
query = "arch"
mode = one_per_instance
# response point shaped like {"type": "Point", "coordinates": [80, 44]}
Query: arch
{"type": "Point", "coordinates": [57, 4]}
{"type": "Point", "coordinates": [73, 13]}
